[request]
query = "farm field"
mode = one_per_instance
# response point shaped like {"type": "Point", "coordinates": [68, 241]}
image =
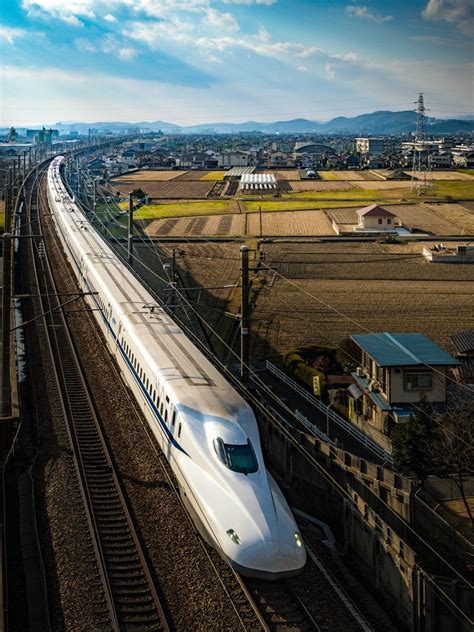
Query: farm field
{"type": "Point", "coordinates": [223, 225]}
{"type": "Point", "coordinates": [347, 175]}
{"type": "Point", "coordinates": [382, 287]}
{"type": "Point", "coordinates": [285, 174]}
{"type": "Point", "coordinates": [319, 185]}
{"type": "Point", "coordinates": [213, 175]}
{"type": "Point", "coordinates": [149, 175]}
{"type": "Point", "coordinates": [191, 176]}
{"type": "Point", "coordinates": [181, 209]}
{"type": "Point", "coordinates": [423, 217]}
{"type": "Point", "coordinates": [300, 223]}
{"type": "Point", "coordinates": [447, 175]}
{"type": "Point", "coordinates": [175, 189]}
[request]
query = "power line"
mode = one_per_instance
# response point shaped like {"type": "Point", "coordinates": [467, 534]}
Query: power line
{"type": "Point", "coordinates": [292, 440]}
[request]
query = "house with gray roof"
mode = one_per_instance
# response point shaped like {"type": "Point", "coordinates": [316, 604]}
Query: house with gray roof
{"type": "Point", "coordinates": [396, 370]}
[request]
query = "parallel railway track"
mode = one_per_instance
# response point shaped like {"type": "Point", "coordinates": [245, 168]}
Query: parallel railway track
{"type": "Point", "coordinates": [130, 598]}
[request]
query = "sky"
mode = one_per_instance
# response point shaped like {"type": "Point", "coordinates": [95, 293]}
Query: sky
{"type": "Point", "coordinates": [203, 61]}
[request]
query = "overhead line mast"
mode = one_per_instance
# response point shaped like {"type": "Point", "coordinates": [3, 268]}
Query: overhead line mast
{"type": "Point", "coordinates": [421, 179]}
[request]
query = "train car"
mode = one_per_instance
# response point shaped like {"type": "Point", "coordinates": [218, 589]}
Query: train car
{"type": "Point", "coordinates": [207, 432]}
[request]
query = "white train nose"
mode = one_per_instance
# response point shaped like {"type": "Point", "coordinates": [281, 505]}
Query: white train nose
{"type": "Point", "coordinates": [269, 560]}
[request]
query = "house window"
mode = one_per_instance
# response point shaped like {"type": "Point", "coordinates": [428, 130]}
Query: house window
{"type": "Point", "coordinates": [418, 381]}
{"type": "Point", "coordinates": [380, 220]}
{"type": "Point", "coordinates": [389, 221]}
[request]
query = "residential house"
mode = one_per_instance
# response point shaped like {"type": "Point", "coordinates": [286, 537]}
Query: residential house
{"type": "Point", "coordinates": [237, 158]}
{"type": "Point", "coordinates": [375, 217]}
{"type": "Point", "coordinates": [463, 343]}
{"type": "Point", "coordinates": [396, 371]}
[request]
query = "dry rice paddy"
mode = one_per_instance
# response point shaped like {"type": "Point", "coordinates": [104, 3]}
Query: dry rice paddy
{"type": "Point", "coordinates": [298, 223]}
{"type": "Point", "coordinates": [447, 175]}
{"type": "Point", "coordinates": [381, 287]}
{"type": "Point", "coordinates": [320, 185]}
{"type": "Point", "coordinates": [149, 175]}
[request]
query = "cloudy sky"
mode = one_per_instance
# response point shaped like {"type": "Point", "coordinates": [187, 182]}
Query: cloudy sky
{"type": "Point", "coordinates": [197, 61]}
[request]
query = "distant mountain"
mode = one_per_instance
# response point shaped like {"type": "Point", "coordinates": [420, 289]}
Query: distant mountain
{"type": "Point", "coordinates": [382, 122]}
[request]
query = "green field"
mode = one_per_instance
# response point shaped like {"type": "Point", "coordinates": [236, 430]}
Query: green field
{"type": "Point", "coordinates": [469, 172]}
{"type": "Point", "coordinates": [181, 209]}
{"type": "Point", "coordinates": [253, 207]}
{"type": "Point", "coordinates": [463, 190]}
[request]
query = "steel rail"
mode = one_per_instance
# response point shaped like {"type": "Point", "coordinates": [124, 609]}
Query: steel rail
{"type": "Point", "coordinates": [129, 591]}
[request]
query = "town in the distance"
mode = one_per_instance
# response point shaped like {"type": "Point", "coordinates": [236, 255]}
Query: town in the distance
{"type": "Point", "coordinates": [180, 303]}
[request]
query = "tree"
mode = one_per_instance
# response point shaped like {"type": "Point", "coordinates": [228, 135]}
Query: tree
{"type": "Point", "coordinates": [454, 454]}
{"type": "Point", "coordinates": [138, 194]}
{"type": "Point", "coordinates": [413, 443]}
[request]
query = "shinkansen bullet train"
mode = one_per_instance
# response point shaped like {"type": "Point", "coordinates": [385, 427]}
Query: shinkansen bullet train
{"type": "Point", "coordinates": [206, 430]}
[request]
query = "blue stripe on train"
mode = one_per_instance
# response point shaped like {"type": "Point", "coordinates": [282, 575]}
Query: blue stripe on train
{"type": "Point", "coordinates": [161, 422]}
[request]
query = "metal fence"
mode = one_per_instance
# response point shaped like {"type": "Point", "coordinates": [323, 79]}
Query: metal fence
{"type": "Point", "coordinates": [349, 428]}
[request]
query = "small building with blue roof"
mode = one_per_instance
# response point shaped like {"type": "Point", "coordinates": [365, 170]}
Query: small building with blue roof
{"type": "Point", "coordinates": [396, 371]}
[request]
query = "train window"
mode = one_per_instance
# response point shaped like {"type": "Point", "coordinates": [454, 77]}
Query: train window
{"type": "Point", "coordinates": [167, 399]}
{"type": "Point", "coordinates": [161, 409]}
{"type": "Point", "coordinates": [179, 430]}
{"type": "Point", "coordinates": [173, 420]}
{"type": "Point", "coordinates": [166, 415]}
{"type": "Point", "coordinates": [237, 457]}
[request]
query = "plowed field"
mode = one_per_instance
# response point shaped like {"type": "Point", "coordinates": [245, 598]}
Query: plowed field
{"type": "Point", "coordinates": [290, 223]}
{"type": "Point", "coordinates": [175, 189]}
{"type": "Point", "coordinates": [320, 185]}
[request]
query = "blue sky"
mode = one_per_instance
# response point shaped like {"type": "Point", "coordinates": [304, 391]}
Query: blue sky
{"type": "Point", "coordinates": [197, 61]}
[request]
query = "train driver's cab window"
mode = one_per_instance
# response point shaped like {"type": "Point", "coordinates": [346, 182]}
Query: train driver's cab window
{"type": "Point", "coordinates": [236, 457]}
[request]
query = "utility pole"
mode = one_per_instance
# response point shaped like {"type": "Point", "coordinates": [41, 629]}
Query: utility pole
{"type": "Point", "coordinates": [244, 316]}
{"type": "Point", "coordinates": [94, 202]}
{"type": "Point", "coordinates": [6, 313]}
{"type": "Point", "coordinates": [130, 230]}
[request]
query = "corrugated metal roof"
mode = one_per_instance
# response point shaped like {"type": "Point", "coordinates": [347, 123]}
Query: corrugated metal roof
{"type": "Point", "coordinates": [403, 349]}
{"type": "Point", "coordinates": [463, 341]}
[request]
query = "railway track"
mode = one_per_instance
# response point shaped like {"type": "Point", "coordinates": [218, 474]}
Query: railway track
{"type": "Point", "coordinates": [130, 598]}
{"type": "Point", "coordinates": [132, 602]}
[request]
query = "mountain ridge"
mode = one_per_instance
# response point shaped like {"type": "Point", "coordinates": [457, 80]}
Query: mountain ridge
{"type": "Point", "coordinates": [379, 122]}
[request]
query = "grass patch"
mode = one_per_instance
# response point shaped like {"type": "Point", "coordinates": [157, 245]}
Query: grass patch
{"type": "Point", "coordinates": [327, 175]}
{"type": "Point", "coordinates": [351, 194]}
{"type": "Point", "coordinates": [253, 207]}
{"type": "Point", "coordinates": [469, 172]}
{"type": "Point", "coordinates": [463, 190]}
{"type": "Point", "coordinates": [181, 209]}
{"type": "Point", "coordinates": [213, 175]}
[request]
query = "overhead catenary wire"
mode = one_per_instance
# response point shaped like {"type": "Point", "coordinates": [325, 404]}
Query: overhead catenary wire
{"type": "Point", "coordinates": [326, 475]}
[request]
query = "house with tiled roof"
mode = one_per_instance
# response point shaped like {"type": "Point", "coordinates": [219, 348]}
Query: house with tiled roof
{"type": "Point", "coordinates": [375, 217]}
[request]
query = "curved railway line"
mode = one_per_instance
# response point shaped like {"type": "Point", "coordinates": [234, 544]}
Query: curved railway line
{"type": "Point", "coordinates": [128, 593]}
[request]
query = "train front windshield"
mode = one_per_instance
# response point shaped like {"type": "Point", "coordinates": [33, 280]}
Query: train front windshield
{"type": "Point", "coordinates": [237, 457]}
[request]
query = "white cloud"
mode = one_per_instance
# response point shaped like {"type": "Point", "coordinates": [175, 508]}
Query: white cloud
{"type": "Point", "coordinates": [221, 21]}
{"type": "Point", "coordinates": [65, 10]}
{"type": "Point", "coordinates": [110, 18]}
{"type": "Point", "coordinates": [366, 14]}
{"type": "Point", "coordinates": [153, 33]}
{"type": "Point", "coordinates": [10, 34]}
{"type": "Point", "coordinates": [263, 34]}
{"type": "Point", "coordinates": [302, 68]}
{"type": "Point", "coordinates": [460, 13]}
{"type": "Point", "coordinates": [109, 45]}
{"type": "Point", "coordinates": [330, 72]}
{"type": "Point", "coordinates": [265, 2]}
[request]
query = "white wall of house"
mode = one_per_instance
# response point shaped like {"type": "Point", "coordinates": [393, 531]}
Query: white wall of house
{"type": "Point", "coordinates": [418, 377]}
{"type": "Point", "coordinates": [377, 223]}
